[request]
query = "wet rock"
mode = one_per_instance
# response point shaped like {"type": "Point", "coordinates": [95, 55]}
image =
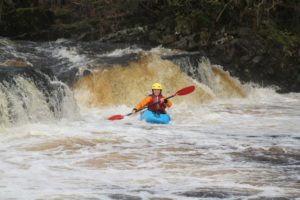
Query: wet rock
{"type": "Point", "coordinates": [189, 43]}
{"type": "Point", "coordinates": [69, 76]}
{"type": "Point", "coordinates": [124, 197]}
{"type": "Point", "coordinates": [86, 72]}
{"type": "Point", "coordinates": [270, 198]}
{"type": "Point", "coordinates": [18, 62]}
{"type": "Point", "coordinates": [169, 39]}
{"type": "Point", "coordinates": [220, 193]}
{"type": "Point", "coordinates": [253, 54]}
{"type": "Point", "coordinates": [257, 59]}
{"type": "Point", "coordinates": [274, 155]}
{"type": "Point", "coordinates": [245, 58]}
{"type": "Point", "coordinates": [135, 35]}
{"type": "Point", "coordinates": [251, 58]}
{"type": "Point", "coordinates": [191, 58]}
{"type": "Point", "coordinates": [206, 194]}
{"type": "Point", "coordinates": [48, 72]}
{"type": "Point", "coordinates": [180, 44]}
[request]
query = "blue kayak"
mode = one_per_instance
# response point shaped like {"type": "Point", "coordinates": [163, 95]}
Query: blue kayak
{"type": "Point", "coordinates": [155, 118]}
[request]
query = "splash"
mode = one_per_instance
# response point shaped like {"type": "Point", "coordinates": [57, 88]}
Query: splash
{"type": "Point", "coordinates": [119, 85]}
{"type": "Point", "coordinates": [219, 80]}
{"type": "Point", "coordinates": [34, 99]}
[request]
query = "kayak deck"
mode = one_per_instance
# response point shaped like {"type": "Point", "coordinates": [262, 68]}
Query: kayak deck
{"type": "Point", "coordinates": [155, 118]}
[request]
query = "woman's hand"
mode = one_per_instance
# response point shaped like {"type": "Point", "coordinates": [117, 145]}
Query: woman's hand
{"type": "Point", "coordinates": [164, 100]}
{"type": "Point", "coordinates": [134, 110]}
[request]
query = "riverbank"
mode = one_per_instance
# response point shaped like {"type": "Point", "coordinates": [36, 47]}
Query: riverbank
{"type": "Point", "coordinates": [255, 42]}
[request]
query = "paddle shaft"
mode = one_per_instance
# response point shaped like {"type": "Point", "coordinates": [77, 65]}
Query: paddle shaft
{"type": "Point", "coordinates": [183, 91]}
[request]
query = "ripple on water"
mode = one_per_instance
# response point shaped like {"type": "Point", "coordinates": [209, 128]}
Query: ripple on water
{"type": "Point", "coordinates": [219, 193]}
{"type": "Point", "coordinates": [71, 143]}
{"type": "Point", "coordinates": [111, 160]}
{"type": "Point", "coordinates": [274, 155]}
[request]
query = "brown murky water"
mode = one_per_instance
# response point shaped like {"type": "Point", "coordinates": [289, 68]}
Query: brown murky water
{"type": "Point", "coordinates": [225, 141]}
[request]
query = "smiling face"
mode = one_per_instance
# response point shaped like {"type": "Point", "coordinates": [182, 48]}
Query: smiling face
{"type": "Point", "coordinates": [156, 92]}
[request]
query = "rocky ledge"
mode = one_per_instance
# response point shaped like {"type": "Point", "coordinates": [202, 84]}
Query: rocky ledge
{"type": "Point", "coordinates": [256, 42]}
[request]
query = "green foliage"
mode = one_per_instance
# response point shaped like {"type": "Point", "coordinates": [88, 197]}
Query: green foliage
{"type": "Point", "coordinates": [63, 15]}
{"type": "Point", "coordinates": [199, 20]}
{"type": "Point", "coordinates": [26, 20]}
{"type": "Point", "coordinates": [287, 40]}
{"type": "Point", "coordinates": [181, 17]}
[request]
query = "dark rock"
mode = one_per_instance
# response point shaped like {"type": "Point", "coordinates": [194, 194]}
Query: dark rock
{"type": "Point", "coordinates": [69, 76]}
{"type": "Point", "coordinates": [247, 57]}
{"type": "Point", "coordinates": [206, 194]}
{"type": "Point", "coordinates": [270, 198]}
{"type": "Point", "coordinates": [180, 44]}
{"type": "Point", "coordinates": [154, 36]}
{"type": "Point", "coordinates": [267, 52]}
{"type": "Point", "coordinates": [124, 197]}
{"type": "Point", "coordinates": [86, 72]}
{"type": "Point", "coordinates": [132, 35]}
{"type": "Point", "coordinates": [273, 155]}
{"type": "Point", "coordinates": [220, 193]}
{"type": "Point", "coordinates": [257, 59]}
{"type": "Point", "coordinates": [168, 39]}
{"type": "Point", "coordinates": [243, 31]}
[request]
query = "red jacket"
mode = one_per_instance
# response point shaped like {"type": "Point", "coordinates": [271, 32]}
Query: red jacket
{"type": "Point", "coordinates": [159, 107]}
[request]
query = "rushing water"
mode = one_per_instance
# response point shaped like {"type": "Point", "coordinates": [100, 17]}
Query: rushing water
{"type": "Point", "coordinates": [225, 141]}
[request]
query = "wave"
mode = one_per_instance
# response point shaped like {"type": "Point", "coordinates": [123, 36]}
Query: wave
{"type": "Point", "coordinates": [29, 95]}
{"type": "Point", "coordinates": [125, 85]}
{"type": "Point", "coordinates": [103, 74]}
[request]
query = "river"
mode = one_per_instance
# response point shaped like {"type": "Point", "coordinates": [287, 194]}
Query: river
{"type": "Point", "coordinates": [227, 140]}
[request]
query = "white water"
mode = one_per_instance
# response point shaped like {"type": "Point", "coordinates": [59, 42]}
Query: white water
{"type": "Point", "coordinates": [230, 148]}
{"type": "Point", "coordinates": [130, 50]}
{"type": "Point", "coordinates": [23, 102]}
{"type": "Point", "coordinates": [204, 149]}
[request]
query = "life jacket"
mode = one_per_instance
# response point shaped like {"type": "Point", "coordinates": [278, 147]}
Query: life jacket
{"type": "Point", "coordinates": [159, 107]}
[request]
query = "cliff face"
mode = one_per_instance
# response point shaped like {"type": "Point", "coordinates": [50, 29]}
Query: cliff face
{"type": "Point", "coordinates": [256, 41]}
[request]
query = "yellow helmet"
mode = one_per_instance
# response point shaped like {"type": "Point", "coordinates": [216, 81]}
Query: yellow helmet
{"type": "Point", "coordinates": [156, 86]}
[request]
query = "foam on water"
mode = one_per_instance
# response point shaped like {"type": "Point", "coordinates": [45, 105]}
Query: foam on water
{"type": "Point", "coordinates": [122, 52]}
{"type": "Point", "coordinates": [71, 55]}
{"type": "Point", "coordinates": [226, 140]}
{"type": "Point", "coordinates": [233, 148]}
{"type": "Point", "coordinates": [135, 50]}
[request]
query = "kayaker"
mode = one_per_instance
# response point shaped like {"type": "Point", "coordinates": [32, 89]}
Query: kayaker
{"type": "Point", "coordinates": [156, 96]}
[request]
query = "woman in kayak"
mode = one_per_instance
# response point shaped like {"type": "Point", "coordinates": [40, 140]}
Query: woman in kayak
{"type": "Point", "coordinates": [151, 99]}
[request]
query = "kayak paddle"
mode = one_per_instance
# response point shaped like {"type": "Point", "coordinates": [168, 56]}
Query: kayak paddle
{"type": "Point", "coordinates": [183, 91]}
